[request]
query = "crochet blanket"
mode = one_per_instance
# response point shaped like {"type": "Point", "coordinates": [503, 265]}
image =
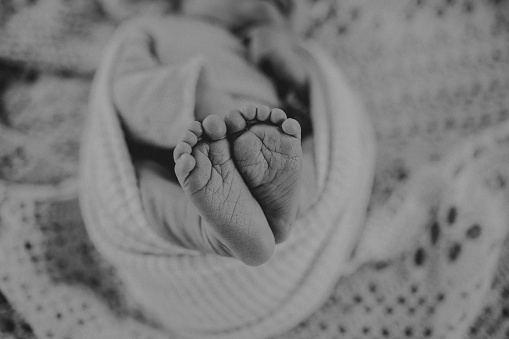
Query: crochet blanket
{"type": "Point", "coordinates": [432, 74]}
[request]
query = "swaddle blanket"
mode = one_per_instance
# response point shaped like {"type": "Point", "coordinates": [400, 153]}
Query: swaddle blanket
{"type": "Point", "coordinates": [431, 73]}
{"type": "Point", "coordinates": [206, 295]}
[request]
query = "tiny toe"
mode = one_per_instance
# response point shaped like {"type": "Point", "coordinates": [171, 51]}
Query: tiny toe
{"type": "Point", "coordinates": [184, 165]}
{"type": "Point", "coordinates": [291, 127]}
{"type": "Point", "coordinates": [235, 122]}
{"type": "Point", "coordinates": [181, 149]}
{"type": "Point", "coordinates": [196, 128]}
{"type": "Point", "coordinates": [277, 116]}
{"type": "Point", "coordinates": [250, 112]}
{"type": "Point", "coordinates": [190, 138]}
{"type": "Point", "coordinates": [214, 127]}
{"type": "Point", "coordinates": [262, 113]}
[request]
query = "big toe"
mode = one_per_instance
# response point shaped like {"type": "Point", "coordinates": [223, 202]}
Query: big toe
{"type": "Point", "coordinates": [235, 122]}
{"type": "Point", "coordinates": [291, 127]}
{"type": "Point", "coordinates": [214, 127]}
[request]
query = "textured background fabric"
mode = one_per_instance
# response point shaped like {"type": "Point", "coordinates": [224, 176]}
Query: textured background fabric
{"type": "Point", "coordinates": [431, 72]}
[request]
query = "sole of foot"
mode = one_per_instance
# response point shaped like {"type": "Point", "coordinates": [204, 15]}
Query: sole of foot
{"type": "Point", "coordinates": [235, 224]}
{"type": "Point", "coordinates": [268, 155]}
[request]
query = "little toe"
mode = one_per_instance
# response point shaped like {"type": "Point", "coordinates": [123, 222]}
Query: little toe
{"type": "Point", "coordinates": [291, 127]}
{"type": "Point", "coordinates": [184, 165]}
{"type": "Point", "coordinates": [277, 116]}
{"type": "Point", "coordinates": [181, 149]}
{"type": "Point", "coordinates": [262, 113]}
{"type": "Point", "coordinates": [235, 122]}
{"type": "Point", "coordinates": [214, 127]}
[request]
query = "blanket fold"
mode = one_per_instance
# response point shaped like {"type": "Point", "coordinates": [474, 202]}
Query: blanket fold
{"type": "Point", "coordinates": [207, 295]}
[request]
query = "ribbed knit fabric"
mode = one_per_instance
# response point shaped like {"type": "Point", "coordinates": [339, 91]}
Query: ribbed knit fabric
{"type": "Point", "coordinates": [208, 295]}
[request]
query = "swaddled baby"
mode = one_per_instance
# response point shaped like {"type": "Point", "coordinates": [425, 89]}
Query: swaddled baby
{"type": "Point", "coordinates": [196, 84]}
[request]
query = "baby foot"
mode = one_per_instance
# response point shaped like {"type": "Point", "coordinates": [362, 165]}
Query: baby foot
{"type": "Point", "coordinates": [268, 154]}
{"type": "Point", "coordinates": [235, 223]}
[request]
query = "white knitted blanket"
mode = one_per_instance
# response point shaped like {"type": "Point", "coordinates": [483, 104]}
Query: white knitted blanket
{"type": "Point", "coordinates": [206, 295]}
{"type": "Point", "coordinates": [432, 75]}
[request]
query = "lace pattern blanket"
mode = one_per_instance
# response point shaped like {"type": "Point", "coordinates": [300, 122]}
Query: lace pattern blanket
{"type": "Point", "coordinates": [433, 74]}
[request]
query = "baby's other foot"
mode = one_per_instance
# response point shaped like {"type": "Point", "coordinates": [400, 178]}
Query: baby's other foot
{"type": "Point", "coordinates": [268, 154]}
{"type": "Point", "coordinates": [235, 224]}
